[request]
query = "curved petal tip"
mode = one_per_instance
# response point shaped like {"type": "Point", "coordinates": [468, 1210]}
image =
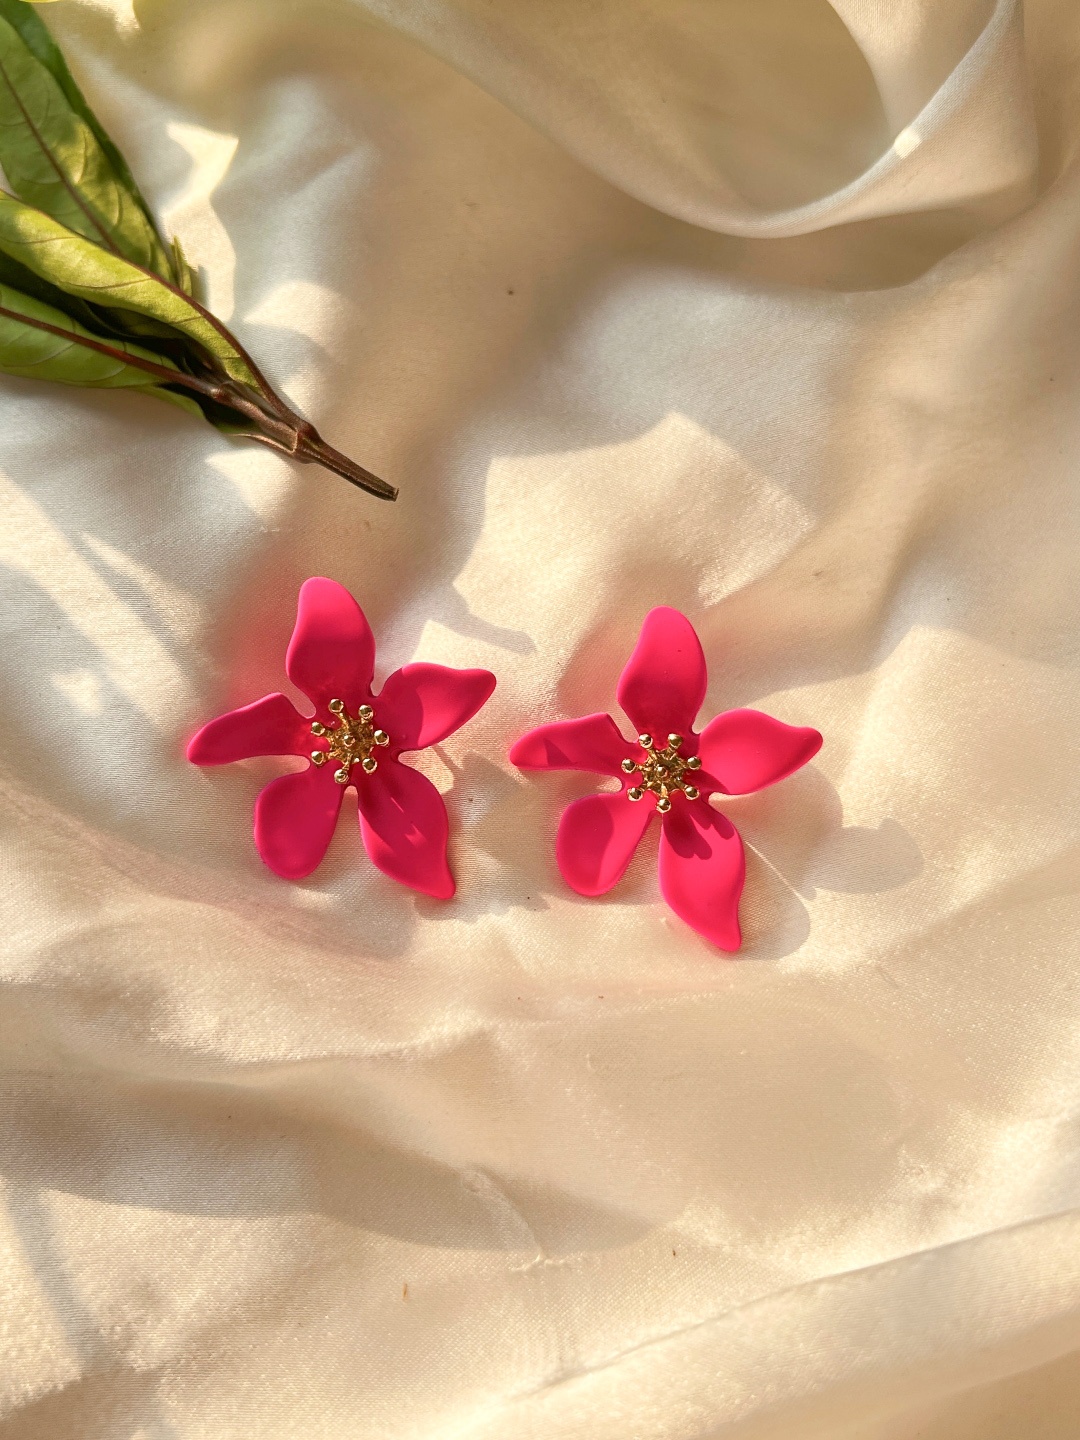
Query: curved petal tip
{"type": "Point", "coordinates": [597, 838]}
{"type": "Point", "coordinates": [663, 685]}
{"type": "Point", "coordinates": [332, 650]}
{"type": "Point", "coordinates": [592, 743]}
{"type": "Point", "coordinates": [405, 829]}
{"type": "Point", "coordinates": [422, 704]}
{"type": "Point", "coordinates": [746, 750]}
{"type": "Point", "coordinates": [702, 869]}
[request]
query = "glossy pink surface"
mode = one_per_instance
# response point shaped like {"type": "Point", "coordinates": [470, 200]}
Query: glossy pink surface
{"type": "Point", "coordinates": [663, 686]}
{"type": "Point", "coordinates": [403, 819]}
{"type": "Point", "coordinates": [702, 868]}
{"type": "Point", "coordinates": [746, 750]}
{"type": "Point", "coordinates": [404, 826]}
{"type": "Point", "coordinates": [332, 650]}
{"type": "Point", "coordinates": [295, 816]}
{"type": "Point", "coordinates": [592, 743]}
{"type": "Point", "coordinates": [702, 864]}
{"type": "Point", "coordinates": [421, 704]}
{"type": "Point", "coordinates": [597, 839]}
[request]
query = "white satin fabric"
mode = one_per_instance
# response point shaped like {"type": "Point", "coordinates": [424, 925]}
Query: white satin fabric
{"type": "Point", "coordinates": [765, 309]}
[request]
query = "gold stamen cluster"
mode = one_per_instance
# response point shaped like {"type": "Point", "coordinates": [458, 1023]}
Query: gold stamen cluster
{"type": "Point", "coordinates": [664, 772]}
{"type": "Point", "coordinates": [351, 741]}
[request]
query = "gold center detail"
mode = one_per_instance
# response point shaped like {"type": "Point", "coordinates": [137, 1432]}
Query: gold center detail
{"type": "Point", "coordinates": [664, 772]}
{"type": "Point", "coordinates": [352, 741]}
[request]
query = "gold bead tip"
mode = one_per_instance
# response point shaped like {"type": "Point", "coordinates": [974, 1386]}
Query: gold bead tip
{"type": "Point", "coordinates": [635, 793]}
{"type": "Point", "coordinates": [349, 742]}
{"type": "Point", "coordinates": [694, 763]}
{"type": "Point", "coordinates": [663, 804]}
{"type": "Point", "coordinates": [674, 740]}
{"type": "Point", "coordinates": [645, 741]}
{"type": "Point", "coordinates": [691, 792]}
{"type": "Point", "coordinates": [629, 766]}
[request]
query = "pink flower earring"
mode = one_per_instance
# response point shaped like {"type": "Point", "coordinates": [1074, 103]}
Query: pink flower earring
{"type": "Point", "coordinates": [668, 770]}
{"type": "Point", "coordinates": [358, 739]}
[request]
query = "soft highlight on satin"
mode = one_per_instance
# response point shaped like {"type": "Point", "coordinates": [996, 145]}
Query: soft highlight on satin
{"type": "Point", "coordinates": [766, 312]}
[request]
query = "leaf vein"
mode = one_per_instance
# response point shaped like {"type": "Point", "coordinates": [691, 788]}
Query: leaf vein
{"type": "Point", "coordinates": [39, 140]}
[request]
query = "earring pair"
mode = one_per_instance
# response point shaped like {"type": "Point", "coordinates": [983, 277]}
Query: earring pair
{"type": "Point", "coordinates": [357, 738]}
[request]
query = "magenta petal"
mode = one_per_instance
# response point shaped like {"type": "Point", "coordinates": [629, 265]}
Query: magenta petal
{"type": "Point", "coordinates": [295, 817]}
{"type": "Point", "coordinates": [422, 704]}
{"type": "Point", "coordinates": [270, 726]}
{"type": "Point", "coordinates": [591, 743]}
{"type": "Point", "coordinates": [746, 750]}
{"type": "Point", "coordinates": [332, 651]}
{"type": "Point", "coordinates": [597, 838]}
{"type": "Point", "coordinates": [702, 868]}
{"type": "Point", "coordinates": [404, 828]}
{"type": "Point", "coordinates": [663, 685]}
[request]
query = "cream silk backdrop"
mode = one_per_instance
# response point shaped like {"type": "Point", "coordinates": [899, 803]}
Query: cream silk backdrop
{"type": "Point", "coordinates": [765, 309]}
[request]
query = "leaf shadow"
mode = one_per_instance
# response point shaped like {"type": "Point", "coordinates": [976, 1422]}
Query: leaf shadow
{"type": "Point", "coordinates": [106, 1389]}
{"type": "Point", "coordinates": [270, 1144]}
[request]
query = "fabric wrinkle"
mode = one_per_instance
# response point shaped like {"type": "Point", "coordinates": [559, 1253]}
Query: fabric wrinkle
{"type": "Point", "coordinates": [762, 312]}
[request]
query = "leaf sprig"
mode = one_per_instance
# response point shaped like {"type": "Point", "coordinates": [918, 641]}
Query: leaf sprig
{"type": "Point", "coordinates": [90, 293]}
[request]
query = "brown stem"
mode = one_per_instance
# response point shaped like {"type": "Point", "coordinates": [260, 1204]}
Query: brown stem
{"type": "Point", "coordinates": [300, 439]}
{"type": "Point", "coordinates": [292, 436]}
{"type": "Point", "coordinates": [267, 390]}
{"type": "Point", "coordinates": [313, 450]}
{"type": "Point", "coordinates": [166, 374]}
{"type": "Point", "coordinates": [262, 384]}
{"type": "Point", "coordinates": [252, 406]}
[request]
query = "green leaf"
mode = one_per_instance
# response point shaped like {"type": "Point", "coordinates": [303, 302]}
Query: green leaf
{"type": "Point", "coordinates": [82, 266]}
{"type": "Point", "coordinates": [56, 155]}
{"type": "Point", "coordinates": [101, 321]}
{"type": "Point", "coordinates": [185, 276]}
{"type": "Point", "coordinates": [174, 397]}
{"type": "Point", "coordinates": [79, 267]}
{"type": "Point", "coordinates": [37, 39]}
{"type": "Point", "coordinates": [105, 324]}
{"type": "Point", "coordinates": [17, 277]}
{"type": "Point", "coordinates": [39, 342]}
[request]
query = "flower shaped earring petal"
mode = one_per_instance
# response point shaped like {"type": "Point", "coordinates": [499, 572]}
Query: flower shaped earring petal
{"type": "Point", "coordinates": [668, 770]}
{"type": "Point", "coordinates": [354, 738]}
